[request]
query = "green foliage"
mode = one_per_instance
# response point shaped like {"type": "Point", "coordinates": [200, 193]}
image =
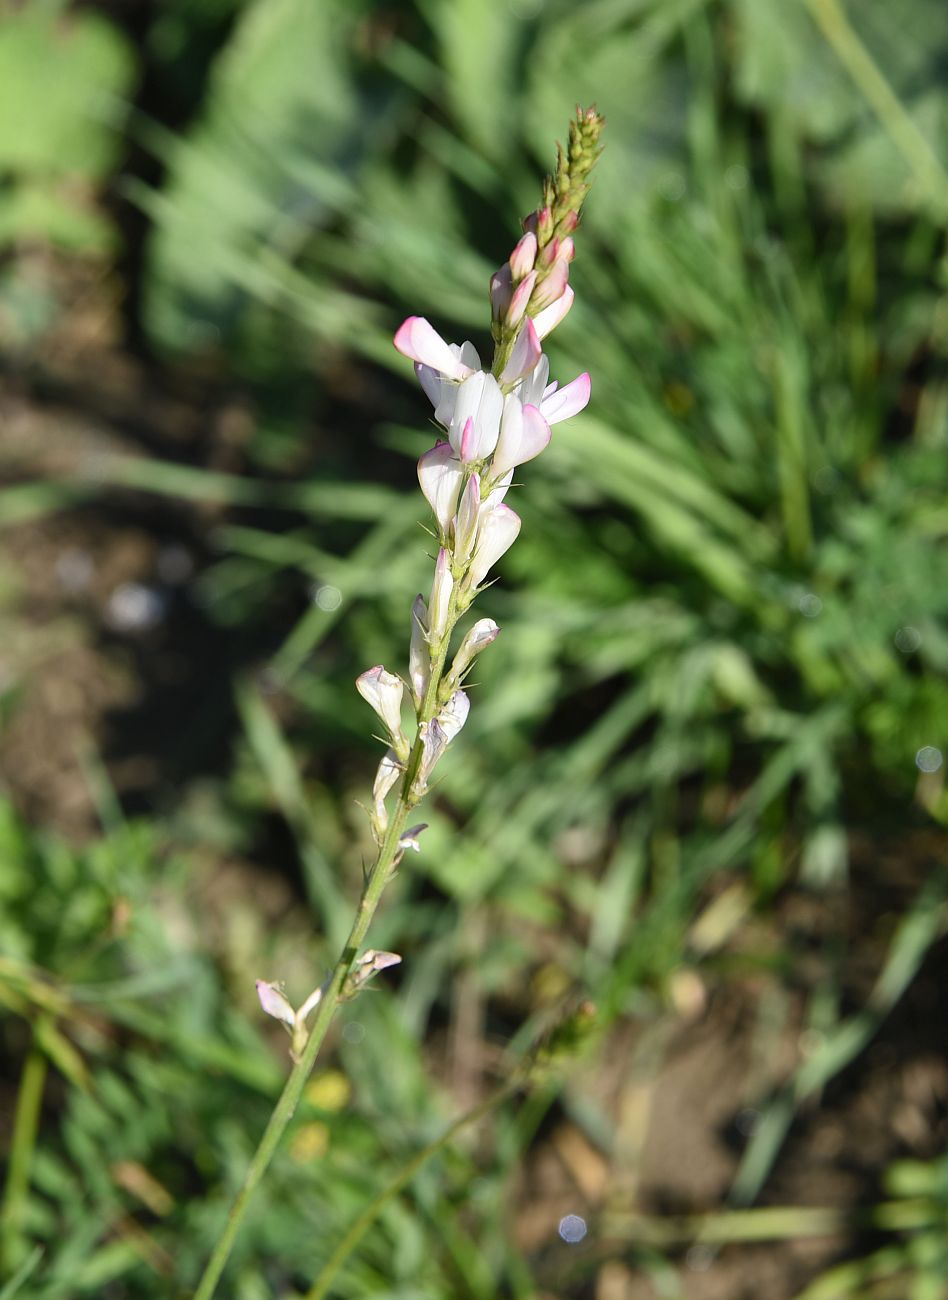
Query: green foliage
{"type": "Point", "coordinates": [63, 82]}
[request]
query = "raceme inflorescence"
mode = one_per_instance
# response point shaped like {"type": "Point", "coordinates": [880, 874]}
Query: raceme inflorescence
{"type": "Point", "coordinates": [493, 421]}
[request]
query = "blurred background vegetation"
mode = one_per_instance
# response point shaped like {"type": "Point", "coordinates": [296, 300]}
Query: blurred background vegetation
{"type": "Point", "coordinates": [703, 781]}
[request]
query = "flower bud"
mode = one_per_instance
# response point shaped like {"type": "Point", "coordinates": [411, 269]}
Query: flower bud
{"type": "Point", "coordinates": [523, 357]}
{"type": "Point", "coordinates": [440, 601]}
{"type": "Point", "coordinates": [549, 254]}
{"type": "Point", "coordinates": [465, 522]}
{"type": "Point", "coordinates": [523, 257]}
{"type": "Point", "coordinates": [274, 1002]}
{"type": "Point", "coordinates": [389, 770]}
{"type": "Point", "coordinates": [547, 320]}
{"type": "Point", "coordinates": [419, 657]}
{"type": "Point", "coordinates": [519, 299]}
{"type": "Point", "coordinates": [497, 533]}
{"type": "Point", "coordinates": [383, 691]}
{"type": "Point", "coordinates": [552, 287]}
{"type": "Point", "coordinates": [501, 291]}
{"type": "Point", "coordinates": [480, 636]}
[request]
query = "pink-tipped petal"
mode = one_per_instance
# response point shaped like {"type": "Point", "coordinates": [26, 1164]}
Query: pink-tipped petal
{"type": "Point", "coordinates": [480, 400]}
{"type": "Point", "coordinates": [525, 355]}
{"type": "Point", "coordinates": [553, 287]}
{"type": "Point", "coordinates": [523, 256]}
{"type": "Point", "coordinates": [417, 339]}
{"type": "Point", "coordinates": [567, 401]}
{"type": "Point", "coordinates": [468, 440]}
{"type": "Point", "coordinates": [547, 320]}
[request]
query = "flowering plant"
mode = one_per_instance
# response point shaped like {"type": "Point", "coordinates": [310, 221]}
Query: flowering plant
{"type": "Point", "coordinates": [493, 421]}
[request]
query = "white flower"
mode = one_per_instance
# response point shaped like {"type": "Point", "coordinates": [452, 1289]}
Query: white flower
{"type": "Point", "coordinates": [383, 691]}
{"type": "Point", "coordinates": [496, 535]}
{"type": "Point", "coordinates": [440, 475]}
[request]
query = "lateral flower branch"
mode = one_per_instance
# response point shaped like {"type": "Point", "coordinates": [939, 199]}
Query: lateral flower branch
{"type": "Point", "coordinates": [493, 421]}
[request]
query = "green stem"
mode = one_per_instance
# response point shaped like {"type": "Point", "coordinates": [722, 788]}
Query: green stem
{"type": "Point", "coordinates": [373, 889]}
{"type": "Point", "coordinates": [22, 1144]}
{"type": "Point", "coordinates": [358, 1229]}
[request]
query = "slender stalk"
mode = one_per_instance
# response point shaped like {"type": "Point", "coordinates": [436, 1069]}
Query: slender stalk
{"type": "Point", "coordinates": [374, 887]}
{"type": "Point", "coordinates": [358, 1229]}
{"type": "Point", "coordinates": [22, 1143]}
